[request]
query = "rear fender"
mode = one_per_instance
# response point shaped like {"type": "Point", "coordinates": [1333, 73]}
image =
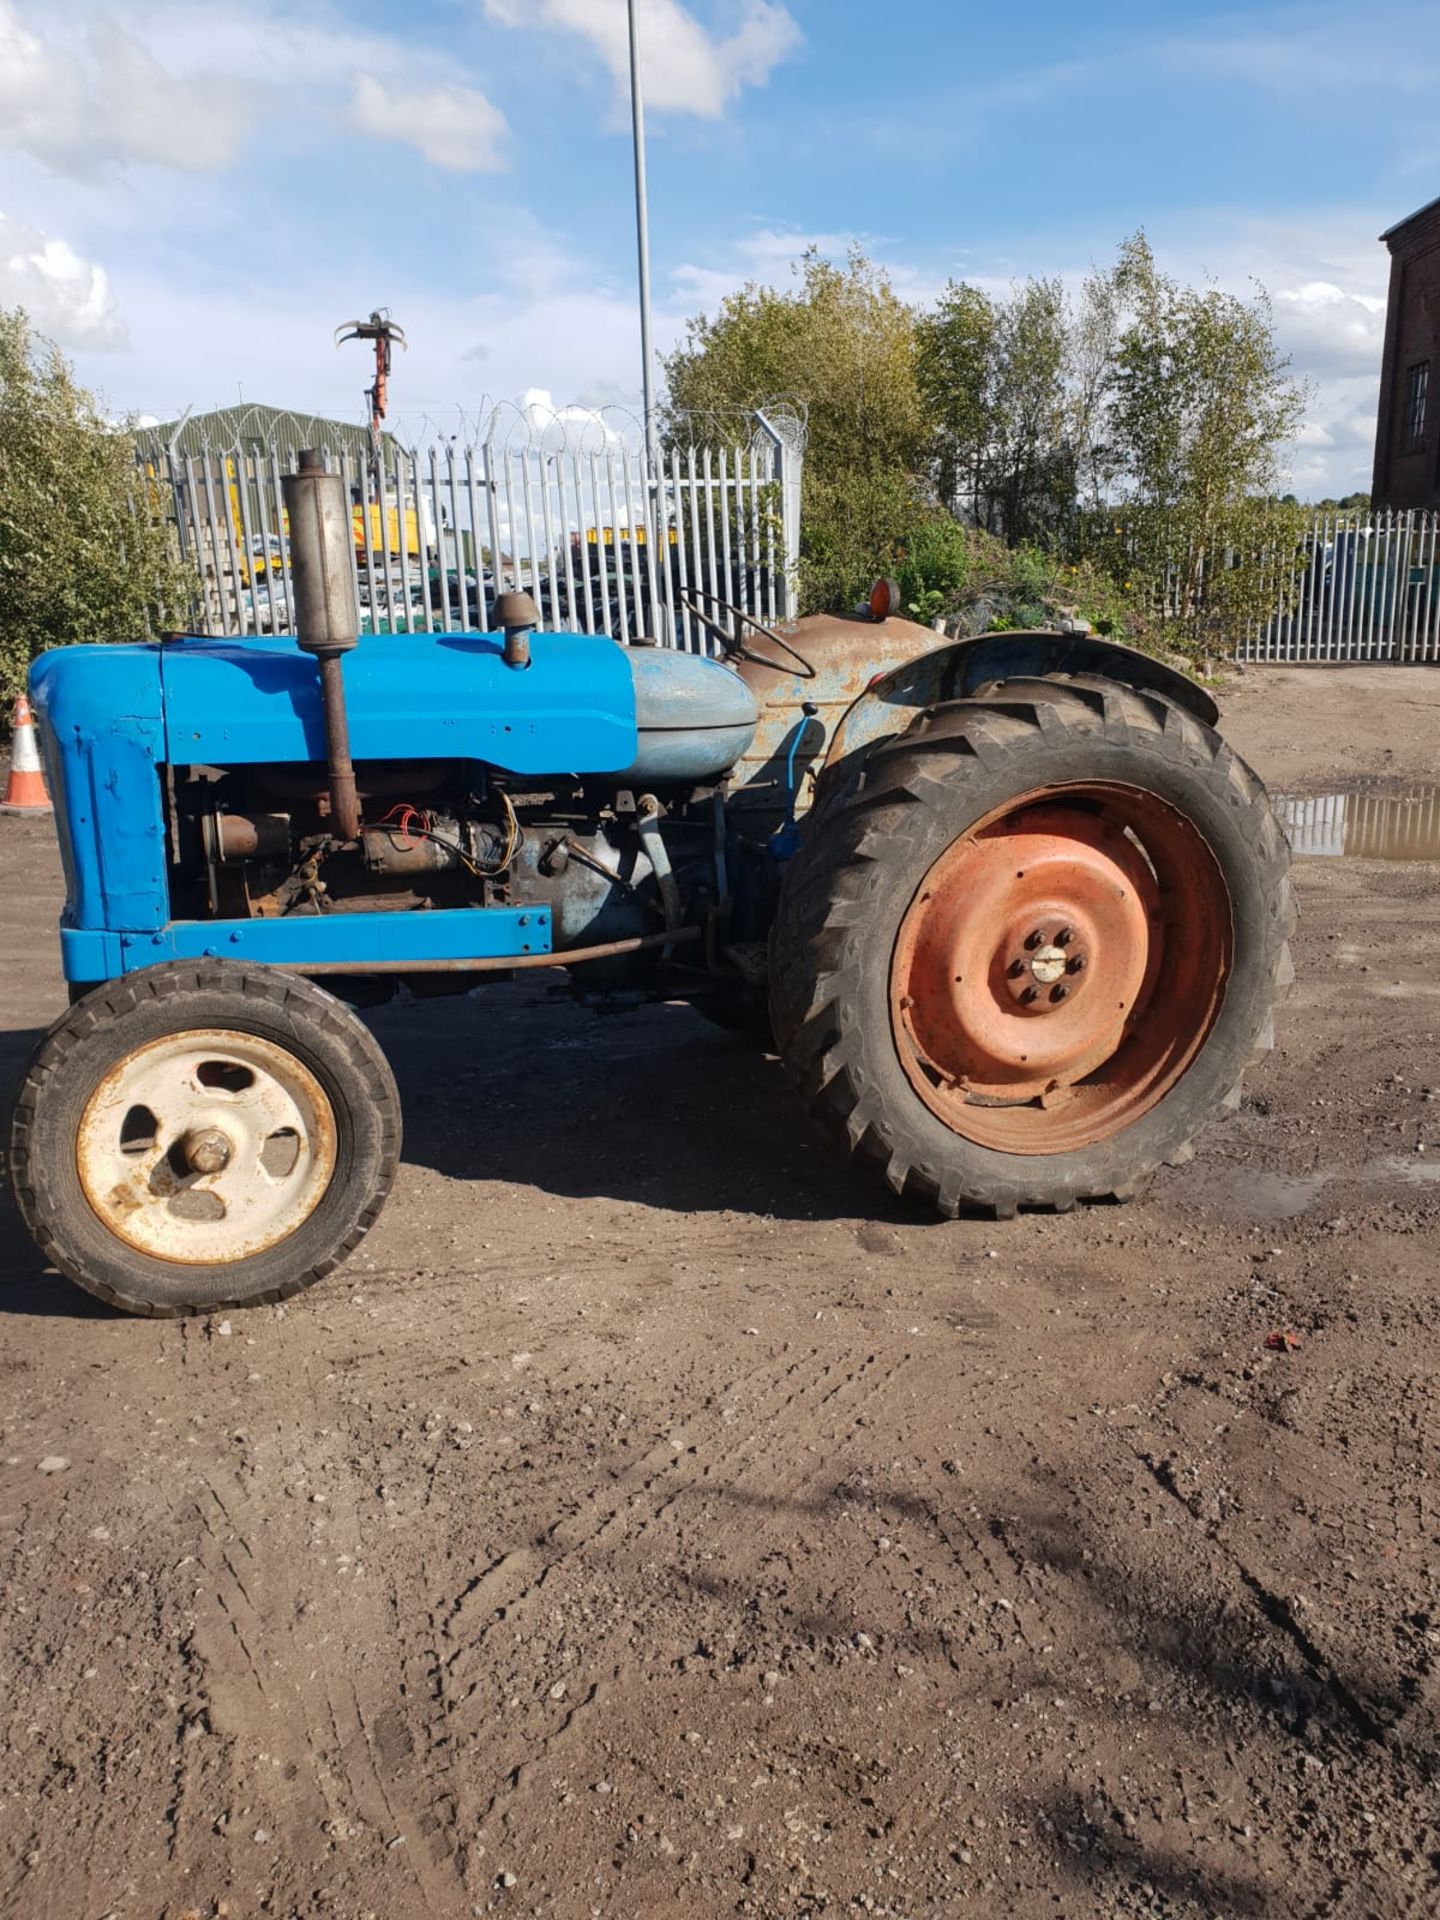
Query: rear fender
{"type": "Point", "coordinates": [895, 699]}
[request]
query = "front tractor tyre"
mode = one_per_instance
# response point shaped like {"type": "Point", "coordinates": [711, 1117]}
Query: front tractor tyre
{"type": "Point", "coordinates": [201, 1135]}
{"type": "Point", "coordinates": [1030, 947]}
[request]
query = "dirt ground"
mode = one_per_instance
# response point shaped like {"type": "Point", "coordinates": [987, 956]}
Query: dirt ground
{"type": "Point", "coordinates": [652, 1521]}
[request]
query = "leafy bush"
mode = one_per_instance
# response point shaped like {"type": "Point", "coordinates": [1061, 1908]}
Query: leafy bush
{"type": "Point", "coordinates": [84, 551]}
{"type": "Point", "coordinates": [856, 526]}
{"type": "Point", "coordinates": [1197, 581]}
{"type": "Point", "coordinates": [974, 583]}
{"type": "Point", "coordinates": [932, 566]}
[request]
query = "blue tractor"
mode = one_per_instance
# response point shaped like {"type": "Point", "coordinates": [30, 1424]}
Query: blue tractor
{"type": "Point", "coordinates": [1012, 914]}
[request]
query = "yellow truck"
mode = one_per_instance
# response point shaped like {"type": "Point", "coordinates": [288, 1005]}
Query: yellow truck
{"type": "Point", "coordinates": [378, 530]}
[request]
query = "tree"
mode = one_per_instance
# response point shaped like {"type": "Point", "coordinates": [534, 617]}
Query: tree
{"type": "Point", "coordinates": [1134, 425]}
{"type": "Point", "coordinates": [1013, 388]}
{"type": "Point", "coordinates": [957, 347]}
{"type": "Point", "coordinates": [84, 552]}
{"type": "Point", "coordinates": [843, 345]}
{"type": "Point", "coordinates": [1091, 360]}
{"type": "Point", "coordinates": [1199, 404]}
{"type": "Point", "coordinates": [1033, 460]}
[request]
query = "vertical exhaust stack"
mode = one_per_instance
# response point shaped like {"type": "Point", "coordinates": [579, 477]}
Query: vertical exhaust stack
{"type": "Point", "coordinates": [327, 613]}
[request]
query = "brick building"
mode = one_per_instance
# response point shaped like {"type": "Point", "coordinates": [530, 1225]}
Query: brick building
{"type": "Point", "coordinates": [1407, 426]}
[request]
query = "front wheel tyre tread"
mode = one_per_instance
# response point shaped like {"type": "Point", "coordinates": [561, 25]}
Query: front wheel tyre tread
{"type": "Point", "coordinates": [122, 1015]}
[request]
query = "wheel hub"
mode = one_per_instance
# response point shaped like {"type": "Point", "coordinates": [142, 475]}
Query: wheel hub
{"type": "Point", "coordinates": [1038, 944]}
{"type": "Point", "coordinates": [208, 1150]}
{"type": "Point", "coordinates": [206, 1146]}
{"type": "Point", "coordinates": [1037, 975]}
{"type": "Point", "coordinates": [1048, 964]}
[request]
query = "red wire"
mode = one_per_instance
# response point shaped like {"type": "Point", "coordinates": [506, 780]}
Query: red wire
{"type": "Point", "coordinates": [408, 815]}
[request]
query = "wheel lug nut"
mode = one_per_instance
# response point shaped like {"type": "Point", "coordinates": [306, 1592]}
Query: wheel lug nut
{"type": "Point", "coordinates": [1064, 936]}
{"type": "Point", "coordinates": [1059, 993]}
{"type": "Point", "coordinates": [1076, 963]}
{"type": "Point", "coordinates": [1035, 939]}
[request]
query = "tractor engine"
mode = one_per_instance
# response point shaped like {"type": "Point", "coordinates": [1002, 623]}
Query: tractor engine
{"type": "Point", "coordinates": [612, 864]}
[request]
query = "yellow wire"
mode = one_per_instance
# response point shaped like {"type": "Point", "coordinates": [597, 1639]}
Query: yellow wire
{"type": "Point", "coordinates": [512, 841]}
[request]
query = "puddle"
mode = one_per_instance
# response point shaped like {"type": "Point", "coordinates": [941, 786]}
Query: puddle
{"type": "Point", "coordinates": [1253, 1193]}
{"type": "Point", "coordinates": [1256, 1194]}
{"type": "Point", "coordinates": [1413, 1170]}
{"type": "Point", "coordinates": [1365, 824]}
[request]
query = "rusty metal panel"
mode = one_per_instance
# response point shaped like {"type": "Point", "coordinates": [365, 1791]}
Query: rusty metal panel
{"type": "Point", "coordinates": [846, 655]}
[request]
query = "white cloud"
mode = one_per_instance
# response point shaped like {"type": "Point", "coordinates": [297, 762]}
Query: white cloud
{"type": "Point", "coordinates": [1332, 330]}
{"type": "Point", "coordinates": [68, 299]}
{"type": "Point", "coordinates": [99, 96]}
{"type": "Point", "coordinates": [183, 85]}
{"type": "Point", "coordinates": [583, 428]}
{"type": "Point", "coordinates": [453, 127]}
{"type": "Point", "coordinates": [684, 68]}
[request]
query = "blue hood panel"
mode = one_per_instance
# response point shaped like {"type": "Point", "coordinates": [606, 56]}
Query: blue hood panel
{"type": "Point", "coordinates": [409, 697]}
{"type": "Point", "coordinates": [441, 696]}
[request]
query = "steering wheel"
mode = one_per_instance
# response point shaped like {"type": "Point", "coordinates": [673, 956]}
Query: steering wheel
{"type": "Point", "coordinates": [732, 643]}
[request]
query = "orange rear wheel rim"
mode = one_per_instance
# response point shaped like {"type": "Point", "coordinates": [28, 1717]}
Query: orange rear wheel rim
{"type": "Point", "coordinates": [1060, 967]}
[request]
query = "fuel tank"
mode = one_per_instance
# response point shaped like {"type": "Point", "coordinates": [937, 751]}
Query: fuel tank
{"type": "Point", "coordinates": [800, 712]}
{"type": "Point", "coordinates": [694, 718]}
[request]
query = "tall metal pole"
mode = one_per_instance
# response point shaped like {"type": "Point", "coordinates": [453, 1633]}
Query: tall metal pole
{"type": "Point", "coordinates": [642, 243]}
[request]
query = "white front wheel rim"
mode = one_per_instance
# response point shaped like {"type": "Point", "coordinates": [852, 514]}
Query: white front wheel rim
{"type": "Point", "coordinates": [206, 1147]}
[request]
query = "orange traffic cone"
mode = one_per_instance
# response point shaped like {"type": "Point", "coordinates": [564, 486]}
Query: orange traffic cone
{"type": "Point", "coordinates": [25, 789]}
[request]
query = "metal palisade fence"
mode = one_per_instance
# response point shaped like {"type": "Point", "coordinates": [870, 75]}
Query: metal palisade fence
{"type": "Point", "coordinates": [1370, 823]}
{"type": "Point", "coordinates": [1358, 587]}
{"type": "Point", "coordinates": [560, 503]}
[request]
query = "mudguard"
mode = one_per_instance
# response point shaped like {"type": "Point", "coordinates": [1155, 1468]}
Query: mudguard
{"type": "Point", "coordinates": [966, 667]}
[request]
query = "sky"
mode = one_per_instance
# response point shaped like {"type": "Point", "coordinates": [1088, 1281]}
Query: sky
{"type": "Point", "coordinates": [195, 193]}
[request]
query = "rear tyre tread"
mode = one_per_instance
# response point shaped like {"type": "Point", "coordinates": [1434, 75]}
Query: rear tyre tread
{"type": "Point", "coordinates": [835, 880]}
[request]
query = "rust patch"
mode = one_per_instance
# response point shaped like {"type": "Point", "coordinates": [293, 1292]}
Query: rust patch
{"type": "Point", "coordinates": [124, 1198]}
{"type": "Point", "coordinates": [846, 654]}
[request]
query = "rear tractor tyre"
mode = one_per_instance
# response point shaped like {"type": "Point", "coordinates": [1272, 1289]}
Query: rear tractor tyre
{"type": "Point", "coordinates": [1027, 954]}
{"type": "Point", "coordinates": [201, 1135]}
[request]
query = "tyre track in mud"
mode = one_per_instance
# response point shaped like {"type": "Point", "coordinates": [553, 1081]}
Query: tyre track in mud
{"type": "Point", "coordinates": [641, 1515]}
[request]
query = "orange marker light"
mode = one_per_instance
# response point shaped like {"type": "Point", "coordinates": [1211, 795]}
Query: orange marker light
{"type": "Point", "coordinates": [884, 599]}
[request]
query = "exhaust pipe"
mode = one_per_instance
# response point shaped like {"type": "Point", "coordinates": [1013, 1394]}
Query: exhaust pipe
{"type": "Point", "coordinates": [327, 613]}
